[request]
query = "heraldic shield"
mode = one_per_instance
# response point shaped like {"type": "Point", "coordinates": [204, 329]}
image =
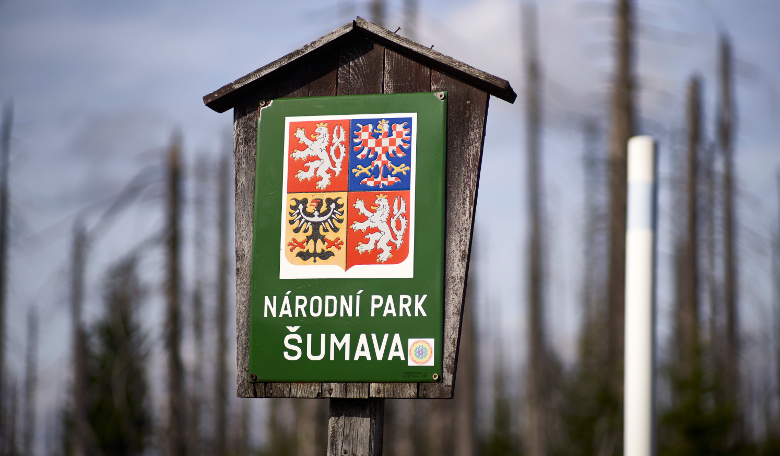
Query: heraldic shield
{"type": "Point", "coordinates": [348, 196]}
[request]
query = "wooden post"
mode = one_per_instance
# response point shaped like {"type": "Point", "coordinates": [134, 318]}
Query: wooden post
{"type": "Point", "coordinates": [355, 427]}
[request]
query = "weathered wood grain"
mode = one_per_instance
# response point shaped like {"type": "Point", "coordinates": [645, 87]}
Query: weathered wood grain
{"type": "Point", "coordinates": [277, 389]}
{"type": "Point", "coordinates": [394, 390]}
{"type": "Point", "coordinates": [244, 150]}
{"type": "Point", "coordinates": [324, 75]}
{"type": "Point", "coordinates": [358, 390]}
{"type": "Point", "coordinates": [294, 83]}
{"type": "Point", "coordinates": [355, 427]}
{"type": "Point", "coordinates": [361, 64]}
{"type": "Point", "coordinates": [306, 390]}
{"type": "Point", "coordinates": [334, 390]}
{"type": "Point", "coordinates": [404, 75]}
{"type": "Point", "coordinates": [466, 115]}
{"type": "Point", "coordinates": [229, 95]}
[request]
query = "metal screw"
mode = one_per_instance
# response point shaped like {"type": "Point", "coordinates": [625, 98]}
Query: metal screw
{"type": "Point", "coordinates": [253, 377]}
{"type": "Point", "coordinates": [440, 95]}
{"type": "Point", "coordinates": [435, 377]}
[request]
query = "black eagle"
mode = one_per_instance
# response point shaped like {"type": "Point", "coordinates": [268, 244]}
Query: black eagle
{"type": "Point", "coordinates": [318, 218]}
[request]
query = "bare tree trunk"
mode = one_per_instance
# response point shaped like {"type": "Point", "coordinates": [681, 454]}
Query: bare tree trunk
{"type": "Point", "coordinates": [465, 400]}
{"type": "Point", "coordinates": [725, 134]}
{"type": "Point", "coordinates": [201, 189]}
{"type": "Point", "coordinates": [220, 383]}
{"type": "Point", "coordinates": [305, 425]}
{"type": "Point", "coordinates": [410, 19]}
{"type": "Point", "coordinates": [591, 215]}
{"type": "Point", "coordinates": [80, 423]}
{"type": "Point", "coordinates": [244, 439]}
{"type": "Point", "coordinates": [437, 428]}
{"type": "Point", "coordinates": [378, 12]}
{"type": "Point", "coordinates": [176, 427]}
{"type": "Point", "coordinates": [689, 305]}
{"type": "Point", "coordinates": [30, 382]}
{"type": "Point", "coordinates": [535, 386]}
{"type": "Point", "coordinates": [13, 447]}
{"type": "Point", "coordinates": [622, 129]}
{"type": "Point", "coordinates": [5, 150]}
{"type": "Point", "coordinates": [776, 264]}
{"type": "Point", "coordinates": [712, 289]}
{"type": "Point", "coordinates": [274, 439]}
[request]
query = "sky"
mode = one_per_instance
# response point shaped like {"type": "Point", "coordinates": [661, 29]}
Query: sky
{"type": "Point", "coordinates": [99, 88]}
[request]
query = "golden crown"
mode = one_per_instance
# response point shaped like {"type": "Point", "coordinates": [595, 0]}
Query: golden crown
{"type": "Point", "coordinates": [381, 195]}
{"type": "Point", "coordinates": [322, 124]}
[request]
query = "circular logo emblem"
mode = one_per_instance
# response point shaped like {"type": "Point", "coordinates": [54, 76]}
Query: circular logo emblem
{"type": "Point", "coordinates": [420, 352]}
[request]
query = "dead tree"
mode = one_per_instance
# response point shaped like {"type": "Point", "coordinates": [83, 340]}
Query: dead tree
{"type": "Point", "coordinates": [176, 428]}
{"type": "Point", "coordinates": [201, 170]}
{"type": "Point", "coordinates": [726, 121]}
{"type": "Point", "coordinates": [13, 419]}
{"type": "Point", "coordinates": [713, 296]}
{"type": "Point", "coordinates": [378, 12]}
{"type": "Point", "coordinates": [30, 382]}
{"type": "Point", "coordinates": [5, 149]}
{"type": "Point", "coordinates": [776, 263]}
{"type": "Point", "coordinates": [464, 429]}
{"type": "Point", "coordinates": [622, 118]}
{"type": "Point", "coordinates": [80, 399]}
{"type": "Point", "coordinates": [593, 275]}
{"type": "Point", "coordinates": [411, 14]}
{"type": "Point", "coordinates": [535, 385]}
{"type": "Point", "coordinates": [688, 306]}
{"type": "Point", "coordinates": [220, 383]}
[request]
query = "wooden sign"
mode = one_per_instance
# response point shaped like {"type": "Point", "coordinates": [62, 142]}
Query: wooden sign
{"type": "Point", "coordinates": [348, 265]}
{"type": "Point", "coordinates": [359, 58]}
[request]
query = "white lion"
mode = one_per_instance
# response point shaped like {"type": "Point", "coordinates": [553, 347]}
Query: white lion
{"type": "Point", "coordinates": [379, 219]}
{"type": "Point", "coordinates": [318, 149]}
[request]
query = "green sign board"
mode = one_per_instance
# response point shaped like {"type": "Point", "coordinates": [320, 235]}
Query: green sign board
{"type": "Point", "coordinates": [348, 242]}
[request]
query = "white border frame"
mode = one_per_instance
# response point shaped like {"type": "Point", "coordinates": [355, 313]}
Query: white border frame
{"type": "Point", "coordinates": [403, 270]}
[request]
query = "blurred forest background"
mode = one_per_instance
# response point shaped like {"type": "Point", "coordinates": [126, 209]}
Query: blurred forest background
{"type": "Point", "coordinates": [116, 226]}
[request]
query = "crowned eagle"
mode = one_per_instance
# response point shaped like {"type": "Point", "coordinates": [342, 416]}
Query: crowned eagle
{"type": "Point", "coordinates": [316, 217]}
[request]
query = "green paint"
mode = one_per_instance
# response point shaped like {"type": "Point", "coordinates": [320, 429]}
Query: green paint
{"type": "Point", "coordinates": [267, 333]}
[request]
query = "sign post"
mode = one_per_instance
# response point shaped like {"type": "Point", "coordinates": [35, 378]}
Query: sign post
{"type": "Point", "coordinates": [357, 161]}
{"type": "Point", "coordinates": [639, 394]}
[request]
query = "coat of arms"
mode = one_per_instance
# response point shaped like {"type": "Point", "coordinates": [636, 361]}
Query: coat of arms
{"type": "Point", "coordinates": [348, 206]}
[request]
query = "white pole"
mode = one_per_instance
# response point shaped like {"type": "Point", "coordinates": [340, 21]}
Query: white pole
{"type": "Point", "coordinates": [639, 399]}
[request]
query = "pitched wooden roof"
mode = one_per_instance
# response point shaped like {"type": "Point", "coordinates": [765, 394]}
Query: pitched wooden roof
{"type": "Point", "coordinates": [226, 97]}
